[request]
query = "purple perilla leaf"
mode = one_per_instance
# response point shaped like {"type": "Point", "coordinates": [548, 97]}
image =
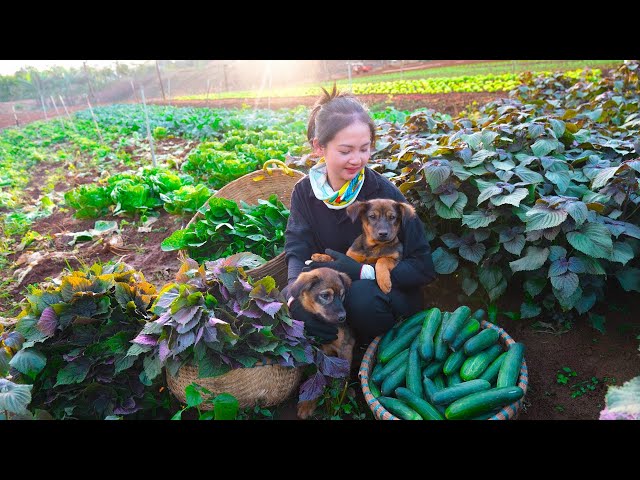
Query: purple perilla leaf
{"type": "Point", "coordinates": [271, 308]}
{"type": "Point", "coordinates": [184, 315]}
{"type": "Point", "coordinates": [332, 366]}
{"type": "Point", "coordinates": [127, 407]}
{"type": "Point", "coordinates": [295, 331]}
{"type": "Point", "coordinates": [312, 388]}
{"type": "Point", "coordinates": [163, 350]}
{"type": "Point", "coordinates": [252, 312]}
{"type": "Point", "coordinates": [143, 339]}
{"type": "Point", "coordinates": [48, 322]}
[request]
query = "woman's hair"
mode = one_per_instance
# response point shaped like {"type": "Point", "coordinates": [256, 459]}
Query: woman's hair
{"type": "Point", "coordinates": [334, 111]}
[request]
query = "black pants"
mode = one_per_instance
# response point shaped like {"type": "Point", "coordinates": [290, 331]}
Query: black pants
{"type": "Point", "coordinates": [370, 312]}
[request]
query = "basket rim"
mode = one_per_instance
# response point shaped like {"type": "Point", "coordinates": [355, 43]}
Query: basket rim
{"type": "Point", "coordinates": [380, 413]}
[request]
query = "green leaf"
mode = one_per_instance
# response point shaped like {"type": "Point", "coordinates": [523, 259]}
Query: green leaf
{"type": "Point", "coordinates": [514, 198]}
{"type": "Point", "coordinates": [493, 281]}
{"type": "Point", "coordinates": [629, 278]}
{"type": "Point", "coordinates": [597, 322]}
{"type": "Point", "coordinates": [592, 239]}
{"type": "Point", "coordinates": [529, 310]}
{"type": "Point", "coordinates": [436, 172]}
{"type": "Point", "coordinates": [480, 157]}
{"type": "Point", "coordinates": [622, 252]}
{"type": "Point", "coordinates": [225, 407]}
{"type": "Point", "coordinates": [102, 226]}
{"type": "Point", "coordinates": [193, 396]}
{"type": "Point", "coordinates": [565, 283]}
{"type": "Point", "coordinates": [444, 262]}
{"type": "Point", "coordinates": [540, 217]}
{"type": "Point", "coordinates": [624, 400]}
{"type": "Point", "coordinates": [602, 177]}
{"type": "Point", "coordinates": [478, 219]}
{"type": "Point", "coordinates": [456, 209]}
{"type": "Point", "coordinates": [175, 241]}
{"type": "Point", "coordinates": [473, 253]}
{"type": "Point", "coordinates": [561, 179]}
{"type": "Point", "coordinates": [558, 127]}
{"type": "Point", "coordinates": [533, 286]}
{"type": "Point", "coordinates": [14, 397]}
{"type": "Point", "coordinates": [152, 367]}
{"type": "Point", "coordinates": [585, 303]}
{"type": "Point", "coordinates": [534, 259]}
{"type": "Point", "coordinates": [567, 303]}
{"type": "Point", "coordinates": [488, 137]}
{"type": "Point", "coordinates": [73, 372]}
{"type": "Point", "coordinates": [28, 361]}
{"type": "Point", "coordinates": [449, 199]}
{"type": "Point", "coordinates": [527, 175]}
{"type": "Point", "coordinates": [488, 192]}
{"type": "Point", "coordinates": [543, 146]}
{"type": "Point", "coordinates": [515, 245]}
{"type": "Point", "coordinates": [594, 115]}
{"type": "Point", "coordinates": [469, 285]}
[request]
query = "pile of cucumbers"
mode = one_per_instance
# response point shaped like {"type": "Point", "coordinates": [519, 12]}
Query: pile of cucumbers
{"type": "Point", "coordinates": [437, 366]}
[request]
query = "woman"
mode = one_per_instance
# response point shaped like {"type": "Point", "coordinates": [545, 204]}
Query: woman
{"type": "Point", "coordinates": [342, 133]}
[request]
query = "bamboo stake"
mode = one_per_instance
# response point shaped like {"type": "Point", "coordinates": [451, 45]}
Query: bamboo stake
{"type": "Point", "coordinates": [73, 125]}
{"type": "Point", "coordinates": [15, 115]}
{"type": "Point", "coordinates": [57, 111]}
{"type": "Point", "coordinates": [95, 121]}
{"type": "Point", "coordinates": [149, 136]}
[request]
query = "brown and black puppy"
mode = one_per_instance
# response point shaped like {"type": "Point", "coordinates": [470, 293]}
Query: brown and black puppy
{"type": "Point", "coordinates": [321, 292]}
{"type": "Point", "coordinates": [378, 244]}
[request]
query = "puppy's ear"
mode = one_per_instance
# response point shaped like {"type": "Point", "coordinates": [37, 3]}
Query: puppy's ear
{"type": "Point", "coordinates": [406, 211]}
{"type": "Point", "coordinates": [304, 283]}
{"type": "Point", "coordinates": [346, 280]}
{"type": "Point", "coordinates": [355, 209]}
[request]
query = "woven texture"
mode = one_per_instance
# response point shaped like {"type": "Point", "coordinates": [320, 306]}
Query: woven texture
{"type": "Point", "coordinates": [509, 412]}
{"type": "Point", "coordinates": [251, 187]}
{"type": "Point", "coordinates": [264, 385]}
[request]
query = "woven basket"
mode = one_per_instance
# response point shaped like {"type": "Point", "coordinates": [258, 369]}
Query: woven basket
{"type": "Point", "coordinates": [260, 185]}
{"type": "Point", "coordinates": [264, 385]}
{"type": "Point", "coordinates": [509, 412]}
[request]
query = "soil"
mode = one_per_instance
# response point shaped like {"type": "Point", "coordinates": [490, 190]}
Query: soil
{"type": "Point", "coordinates": [597, 359]}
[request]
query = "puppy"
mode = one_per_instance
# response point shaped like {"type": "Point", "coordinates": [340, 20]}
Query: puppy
{"type": "Point", "coordinates": [378, 244]}
{"type": "Point", "coordinates": [321, 292]}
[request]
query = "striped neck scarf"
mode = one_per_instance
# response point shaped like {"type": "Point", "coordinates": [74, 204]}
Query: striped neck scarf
{"type": "Point", "coordinates": [323, 190]}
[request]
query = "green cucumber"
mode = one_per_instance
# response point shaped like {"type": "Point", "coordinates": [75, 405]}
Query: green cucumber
{"type": "Point", "coordinates": [491, 373]}
{"type": "Point", "coordinates": [402, 341]}
{"type": "Point", "coordinates": [431, 387]}
{"type": "Point", "coordinates": [510, 368]}
{"type": "Point", "coordinates": [386, 339]}
{"type": "Point", "coordinates": [420, 405]}
{"type": "Point", "coordinates": [475, 365]}
{"type": "Point", "coordinates": [390, 366]}
{"type": "Point", "coordinates": [433, 369]}
{"type": "Point", "coordinates": [485, 415]}
{"type": "Point", "coordinates": [414, 373]}
{"type": "Point", "coordinates": [468, 330]}
{"type": "Point", "coordinates": [376, 371]}
{"type": "Point", "coordinates": [477, 403]}
{"type": "Point", "coordinates": [455, 323]}
{"type": "Point", "coordinates": [429, 328]}
{"type": "Point", "coordinates": [482, 340]}
{"type": "Point", "coordinates": [455, 392]}
{"type": "Point", "coordinates": [439, 381]}
{"type": "Point", "coordinates": [453, 379]}
{"type": "Point", "coordinates": [440, 348]}
{"type": "Point", "coordinates": [454, 362]}
{"type": "Point", "coordinates": [394, 380]}
{"type": "Point", "coordinates": [412, 321]}
{"type": "Point", "coordinates": [479, 314]}
{"type": "Point", "coordinates": [374, 389]}
{"type": "Point", "coordinates": [399, 408]}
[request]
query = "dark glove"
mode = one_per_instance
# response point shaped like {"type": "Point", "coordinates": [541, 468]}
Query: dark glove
{"type": "Point", "coordinates": [313, 326]}
{"type": "Point", "coordinates": [342, 263]}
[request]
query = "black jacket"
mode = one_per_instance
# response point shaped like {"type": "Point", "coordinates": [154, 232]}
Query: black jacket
{"type": "Point", "coordinates": [312, 227]}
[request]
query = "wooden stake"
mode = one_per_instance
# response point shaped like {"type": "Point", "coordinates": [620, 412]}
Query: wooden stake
{"type": "Point", "coordinates": [149, 136]}
{"type": "Point", "coordinates": [95, 121]}
{"type": "Point", "coordinates": [73, 125]}
{"type": "Point", "coordinates": [15, 115]}
{"type": "Point", "coordinates": [57, 111]}
{"type": "Point", "coordinates": [207, 95]}
{"type": "Point", "coordinates": [160, 80]}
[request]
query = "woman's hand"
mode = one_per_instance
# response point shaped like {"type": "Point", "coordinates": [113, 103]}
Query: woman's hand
{"type": "Point", "coordinates": [341, 263]}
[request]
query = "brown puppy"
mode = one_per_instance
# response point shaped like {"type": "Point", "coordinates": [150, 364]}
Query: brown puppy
{"type": "Point", "coordinates": [378, 244]}
{"type": "Point", "coordinates": [321, 292]}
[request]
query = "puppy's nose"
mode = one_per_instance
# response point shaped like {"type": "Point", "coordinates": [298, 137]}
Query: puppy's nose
{"type": "Point", "coordinates": [383, 235]}
{"type": "Point", "coordinates": [342, 318]}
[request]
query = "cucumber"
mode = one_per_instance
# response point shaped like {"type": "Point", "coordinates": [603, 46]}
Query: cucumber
{"type": "Point", "coordinates": [453, 379]}
{"type": "Point", "coordinates": [390, 366]}
{"type": "Point", "coordinates": [429, 328]}
{"type": "Point", "coordinates": [412, 321]}
{"type": "Point", "coordinates": [480, 402]}
{"type": "Point", "coordinates": [455, 392]}
{"type": "Point", "coordinates": [479, 314]}
{"type": "Point", "coordinates": [454, 362]}
{"type": "Point", "coordinates": [439, 381]}
{"type": "Point", "coordinates": [441, 349]}
{"type": "Point", "coordinates": [485, 415]}
{"type": "Point", "coordinates": [394, 380]}
{"type": "Point", "coordinates": [374, 389]}
{"type": "Point", "coordinates": [482, 340]}
{"type": "Point", "coordinates": [433, 369]}
{"type": "Point", "coordinates": [468, 330]}
{"type": "Point", "coordinates": [454, 325]}
{"type": "Point", "coordinates": [420, 405]}
{"type": "Point", "coordinates": [386, 339]}
{"type": "Point", "coordinates": [491, 373]}
{"type": "Point", "coordinates": [399, 408]}
{"type": "Point", "coordinates": [474, 366]}
{"type": "Point", "coordinates": [402, 341]}
{"type": "Point", "coordinates": [510, 368]}
{"type": "Point", "coordinates": [414, 373]}
{"type": "Point", "coordinates": [376, 371]}
{"type": "Point", "coordinates": [431, 387]}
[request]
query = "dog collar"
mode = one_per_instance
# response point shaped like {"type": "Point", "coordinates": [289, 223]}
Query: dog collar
{"type": "Point", "coordinates": [290, 301]}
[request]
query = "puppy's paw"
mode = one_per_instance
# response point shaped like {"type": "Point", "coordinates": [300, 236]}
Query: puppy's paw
{"type": "Point", "coordinates": [306, 409]}
{"type": "Point", "coordinates": [321, 257]}
{"type": "Point", "coordinates": [384, 284]}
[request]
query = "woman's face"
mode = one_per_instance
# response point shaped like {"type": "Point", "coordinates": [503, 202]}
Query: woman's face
{"type": "Point", "coordinates": [346, 154]}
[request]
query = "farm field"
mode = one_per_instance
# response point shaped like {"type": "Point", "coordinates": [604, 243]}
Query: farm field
{"type": "Point", "coordinates": [61, 177]}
